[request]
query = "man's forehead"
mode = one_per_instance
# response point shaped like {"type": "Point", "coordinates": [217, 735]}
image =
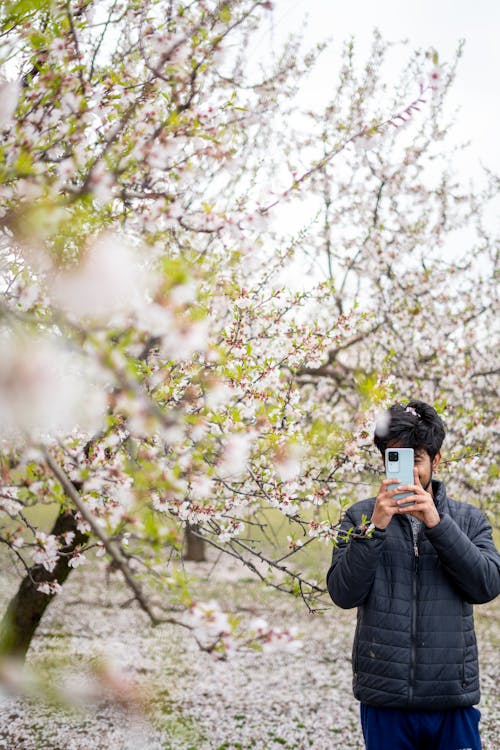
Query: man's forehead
{"type": "Point", "coordinates": [419, 452]}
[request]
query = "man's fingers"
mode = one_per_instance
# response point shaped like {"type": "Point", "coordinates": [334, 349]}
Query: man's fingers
{"type": "Point", "coordinates": [409, 500]}
{"type": "Point", "coordinates": [386, 482]}
{"type": "Point", "coordinates": [414, 489]}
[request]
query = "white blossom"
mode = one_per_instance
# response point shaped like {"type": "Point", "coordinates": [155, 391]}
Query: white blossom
{"type": "Point", "coordinates": [288, 462]}
{"type": "Point", "coordinates": [46, 389]}
{"type": "Point", "coordinates": [228, 531]}
{"type": "Point", "coordinates": [8, 501]}
{"type": "Point", "coordinates": [275, 639]}
{"type": "Point", "coordinates": [109, 280]}
{"type": "Point", "coordinates": [46, 551]}
{"type": "Point", "coordinates": [282, 640]}
{"type": "Point", "coordinates": [9, 97]}
{"type": "Point", "coordinates": [49, 587]}
{"type": "Point", "coordinates": [201, 487]}
{"type": "Point", "coordinates": [29, 296]}
{"type": "Point", "coordinates": [184, 294]}
{"type": "Point", "coordinates": [217, 395]}
{"type": "Point", "coordinates": [185, 338]}
{"type": "Point", "coordinates": [101, 183]}
{"type": "Point", "coordinates": [76, 560]}
{"type": "Point", "coordinates": [436, 78]}
{"type": "Point", "coordinates": [236, 453]}
{"type": "Point", "coordinates": [382, 423]}
{"type": "Point", "coordinates": [294, 543]}
{"type": "Point", "coordinates": [367, 140]}
{"type": "Point", "coordinates": [208, 619]}
{"type": "Point", "coordinates": [288, 507]}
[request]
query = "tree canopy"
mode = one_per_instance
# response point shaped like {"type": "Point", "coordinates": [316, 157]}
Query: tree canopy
{"type": "Point", "coordinates": [170, 354]}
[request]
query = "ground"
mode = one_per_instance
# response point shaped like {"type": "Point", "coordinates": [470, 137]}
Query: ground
{"type": "Point", "coordinates": [252, 700]}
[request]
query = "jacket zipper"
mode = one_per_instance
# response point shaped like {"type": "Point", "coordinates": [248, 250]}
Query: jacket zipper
{"type": "Point", "coordinates": [464, 681]}
{"type": "Point", "coordinates": [413, 635]}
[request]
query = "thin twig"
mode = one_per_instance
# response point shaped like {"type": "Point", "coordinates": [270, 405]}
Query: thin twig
{"type": "Point", "coordinates": [112, 549]}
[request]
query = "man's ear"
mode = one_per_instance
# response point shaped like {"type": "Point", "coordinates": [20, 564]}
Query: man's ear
{"type": "Point", "coordinates": [435, 462]}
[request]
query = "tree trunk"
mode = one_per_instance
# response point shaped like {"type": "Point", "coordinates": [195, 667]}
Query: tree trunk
{"type": "Point", "coordinates": [26, 608]}
{"type": "Point", "coordinates": [194, 545]}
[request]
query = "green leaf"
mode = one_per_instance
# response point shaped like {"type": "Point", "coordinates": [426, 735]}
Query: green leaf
{"type": "Point", "coordinates": [24, 164]}
{"type": "Point", "coordinates": [225, 14]}
{"type": "Point", "coordinates": [23, 7]}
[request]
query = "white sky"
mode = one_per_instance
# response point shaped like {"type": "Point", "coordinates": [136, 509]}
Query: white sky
{"type": "Point", "coordinates": [425, 23]}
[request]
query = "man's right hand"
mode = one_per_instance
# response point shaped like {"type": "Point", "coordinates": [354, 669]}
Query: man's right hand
{"type": "Point", "coordinates": [385, 506]}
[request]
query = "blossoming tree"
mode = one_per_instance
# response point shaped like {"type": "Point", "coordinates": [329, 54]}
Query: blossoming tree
{"type": "Point", "coordinates": [159, 366]}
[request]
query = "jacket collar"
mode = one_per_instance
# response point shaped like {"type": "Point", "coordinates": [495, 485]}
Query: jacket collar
{"type": "Point", "coordinates": [439, 493]}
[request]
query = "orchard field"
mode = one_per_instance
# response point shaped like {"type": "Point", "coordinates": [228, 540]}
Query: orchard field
{"type": "Point", "coordinates": [258, 700]}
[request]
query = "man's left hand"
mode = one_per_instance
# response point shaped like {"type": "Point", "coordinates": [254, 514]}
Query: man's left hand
{"type": "Point", "coordinates": [422, 503]}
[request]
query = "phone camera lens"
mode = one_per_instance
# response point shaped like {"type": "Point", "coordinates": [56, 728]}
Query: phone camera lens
{"type": "Point", "coordinates": [393, 456]}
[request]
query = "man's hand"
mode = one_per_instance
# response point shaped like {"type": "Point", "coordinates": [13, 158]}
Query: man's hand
{"type": "Point", "coordinates": [386, 506]}
{"type": "Point", "coordinates": [422, 503]}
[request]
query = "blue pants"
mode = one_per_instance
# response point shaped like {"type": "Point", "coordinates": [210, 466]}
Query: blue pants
{"type": "Point", "coordinates": [399, 729]}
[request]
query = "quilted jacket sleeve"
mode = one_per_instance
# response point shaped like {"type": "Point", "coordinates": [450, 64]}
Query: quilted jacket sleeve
{"type": "Point", "coordinates": [354, 562]}
{"type": "Point", "coordinates": [470, 560]}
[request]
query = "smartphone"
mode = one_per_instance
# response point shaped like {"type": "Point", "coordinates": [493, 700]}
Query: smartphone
{"type": "Point", "coordinates": [399, 464]}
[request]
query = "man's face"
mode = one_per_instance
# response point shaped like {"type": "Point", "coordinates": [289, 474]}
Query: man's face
{"type": "Point", "coordinates": [425, 467]}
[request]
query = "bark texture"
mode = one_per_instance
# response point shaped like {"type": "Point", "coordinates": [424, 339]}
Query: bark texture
{"type": "Point", "coordinates": [194, 545]}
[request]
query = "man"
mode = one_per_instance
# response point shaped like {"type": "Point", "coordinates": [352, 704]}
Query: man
{"type": "Point", "coordinates": [414, 573]}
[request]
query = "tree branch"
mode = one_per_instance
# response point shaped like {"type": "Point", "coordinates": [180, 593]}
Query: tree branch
{"type": "Point", "coordinates": [112, 549]}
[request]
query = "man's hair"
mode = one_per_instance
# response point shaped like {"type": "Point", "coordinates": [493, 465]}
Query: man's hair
{"type": "Point", "coordinates": [414, 425]}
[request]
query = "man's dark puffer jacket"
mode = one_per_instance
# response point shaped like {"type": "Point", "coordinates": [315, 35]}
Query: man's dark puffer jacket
{"type": "Point", "coordinates": [415, 645]}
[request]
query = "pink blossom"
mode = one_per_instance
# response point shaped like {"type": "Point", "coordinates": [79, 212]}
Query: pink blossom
{"type": "Point", "coordinates": [294, 544]}
{"type": "Point", "coordinates": [436, 78]}
{"type": "Point", "coordinates": [66, 168]}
